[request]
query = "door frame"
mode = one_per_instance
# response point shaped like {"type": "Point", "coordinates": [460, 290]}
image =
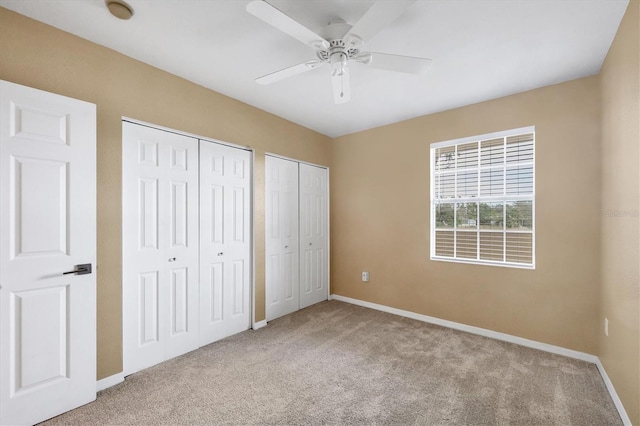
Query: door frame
{"type": "Point", "coordinates": [252, 282]}
{"type": "Point", "coordinates": [328, 169]}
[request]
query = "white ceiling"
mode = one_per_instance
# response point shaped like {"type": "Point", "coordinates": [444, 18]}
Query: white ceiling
{"type": "Point", "coordinates": [481, 49]}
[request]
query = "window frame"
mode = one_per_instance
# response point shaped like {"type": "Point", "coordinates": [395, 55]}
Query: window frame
{"type": "Point", "coordinates": [504, 198]}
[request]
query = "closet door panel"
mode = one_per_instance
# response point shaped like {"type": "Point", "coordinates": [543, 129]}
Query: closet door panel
{"type": "Point", "coordinates": [142, 265]}
{"type": "Point", "coordinates": [225, 249]}
{"type": "Point", "coordinates": [313, 235]}
{"type": "Point", "coordinates": [180, 211]}
{"type": "Point", "coordinates": [160, 245]}
{"type": "Point", "coordinates": [282, 246]}
{"type": "Point", "coordinates": [212, 243]}
{"type": "Point", "coordinates": [237, 300]}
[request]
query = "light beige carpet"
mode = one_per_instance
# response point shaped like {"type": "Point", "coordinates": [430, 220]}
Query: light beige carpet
{"type": "Point", "coordinates": [335, 363]}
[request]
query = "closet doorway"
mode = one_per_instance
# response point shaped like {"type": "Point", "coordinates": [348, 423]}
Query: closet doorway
{"type": "Point", "coordinates": [187, 244]}
{"type": "Point", "coordinates": [297, 235]}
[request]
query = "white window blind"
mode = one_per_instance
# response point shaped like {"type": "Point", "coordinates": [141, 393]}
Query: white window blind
{"type": "Point", "coordinates": [483, 199]}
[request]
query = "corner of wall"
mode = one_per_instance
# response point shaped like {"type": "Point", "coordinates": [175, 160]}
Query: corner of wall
{"type": "Point", "coordinates": [619, 351]}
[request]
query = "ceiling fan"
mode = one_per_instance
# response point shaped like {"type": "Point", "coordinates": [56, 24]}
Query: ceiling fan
{"type": "Point", "coordinates": [341, 44]}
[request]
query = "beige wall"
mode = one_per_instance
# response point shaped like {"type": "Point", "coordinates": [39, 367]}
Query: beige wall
{"type": "Point", "coordinates": [40, 56]}
{"type": "Point", "coordinates": [380, 219]}
{"type": "Point", "coordinates": [620, 79]}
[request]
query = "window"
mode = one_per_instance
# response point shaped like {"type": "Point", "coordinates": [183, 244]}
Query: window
{"type": "Point", "coordinates": [483, 199]}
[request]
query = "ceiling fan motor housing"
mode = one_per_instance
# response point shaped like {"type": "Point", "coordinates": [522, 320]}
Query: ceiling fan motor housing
{"type": "Point", "coordinates": [337, 48]}
{"type": "Point", "coordinates": [340, 49]}
{"type": "Point", "coordinates": [336, 30]}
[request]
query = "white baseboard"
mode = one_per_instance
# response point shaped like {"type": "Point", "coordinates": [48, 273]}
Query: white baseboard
{"type": "Point", "coordinates": [559, 350]}
{"type": "Point", "coordinates": [473, 330]}
{"type": "Point", "coordinates": [258, 325]}
{"type": "Point", "coordinates": [107, 382]}
{"type": "Point", "coordinates": [614, 395]}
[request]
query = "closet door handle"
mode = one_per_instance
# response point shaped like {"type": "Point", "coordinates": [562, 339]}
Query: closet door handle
{"type": "Point", "coordinates": [220, 254]}
{"type": "Point", "coordinates": [172, 259]}
{"type": "Point", "coordinates": [286, 247]}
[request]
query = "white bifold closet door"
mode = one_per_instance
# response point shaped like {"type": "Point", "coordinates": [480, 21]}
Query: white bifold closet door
{"type": "Point", "coordinates": [225, 241]}
{"type": "Point", "coordinates": [160, 245]}
{"type": "Point", "coordinates": [296, 228]}
{"type": "Point", "coordinates": [187, 264]}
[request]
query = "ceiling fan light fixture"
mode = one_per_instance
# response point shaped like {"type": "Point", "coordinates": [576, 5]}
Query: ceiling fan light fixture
{"type": "Point", "coordinates": [338, 63]}
{"type": "Point", "coordinates": [119, 9]}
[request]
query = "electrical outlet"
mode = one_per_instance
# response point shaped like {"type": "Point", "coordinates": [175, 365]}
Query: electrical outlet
{"type": "Point", "coordinates": [365, 276]}
{"type": "Point", "coordinates": [606, 327]}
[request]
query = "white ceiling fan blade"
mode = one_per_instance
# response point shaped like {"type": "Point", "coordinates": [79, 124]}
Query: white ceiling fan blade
{"type": "Point", "coordinates": [406, 64]}
{"type": "Point", "coordinates": [341, 89]}
{"type": "Point", "coordinates": [284, 23]}
{"type": "Point", "coordinates": [288, 72]}
{"type": "Point", "coordinates": [379, 15]}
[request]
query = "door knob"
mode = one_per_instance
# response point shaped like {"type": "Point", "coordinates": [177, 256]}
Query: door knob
{"type": "Point", "coordinates": [82, 269]}
{"type": "Point", "coordinates": [310, 243]}
{"type": "Point", "coordinates": [286, 247]}
{"type": "Point", "coordinates": [172, 259]}
{"type": "Point", "coordinates": [220, 254]}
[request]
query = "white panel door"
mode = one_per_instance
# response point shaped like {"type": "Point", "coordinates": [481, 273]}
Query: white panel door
{"type": "Point", "coordinates": [225, 241]}
{"type": "Point", "coordinates": [281, 228]}
{"type": "Point", "coordinates": [313, 235]}
{"type": "Point", "coordinates": [47, 227]}
{"type": "Point", "coordinates": [160, 245]}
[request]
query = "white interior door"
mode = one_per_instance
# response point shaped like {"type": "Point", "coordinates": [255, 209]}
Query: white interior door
{"type": "Point", "coordinates": [313, 235]}
{"type": "Point", "coordinates": [225, 241]}
{"type": "Point", "coordinates": [282, 245]}
{"type": "Point", "coordinates": [160, 245]}
{"type": "Point", "coordinates": [47, 228]}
